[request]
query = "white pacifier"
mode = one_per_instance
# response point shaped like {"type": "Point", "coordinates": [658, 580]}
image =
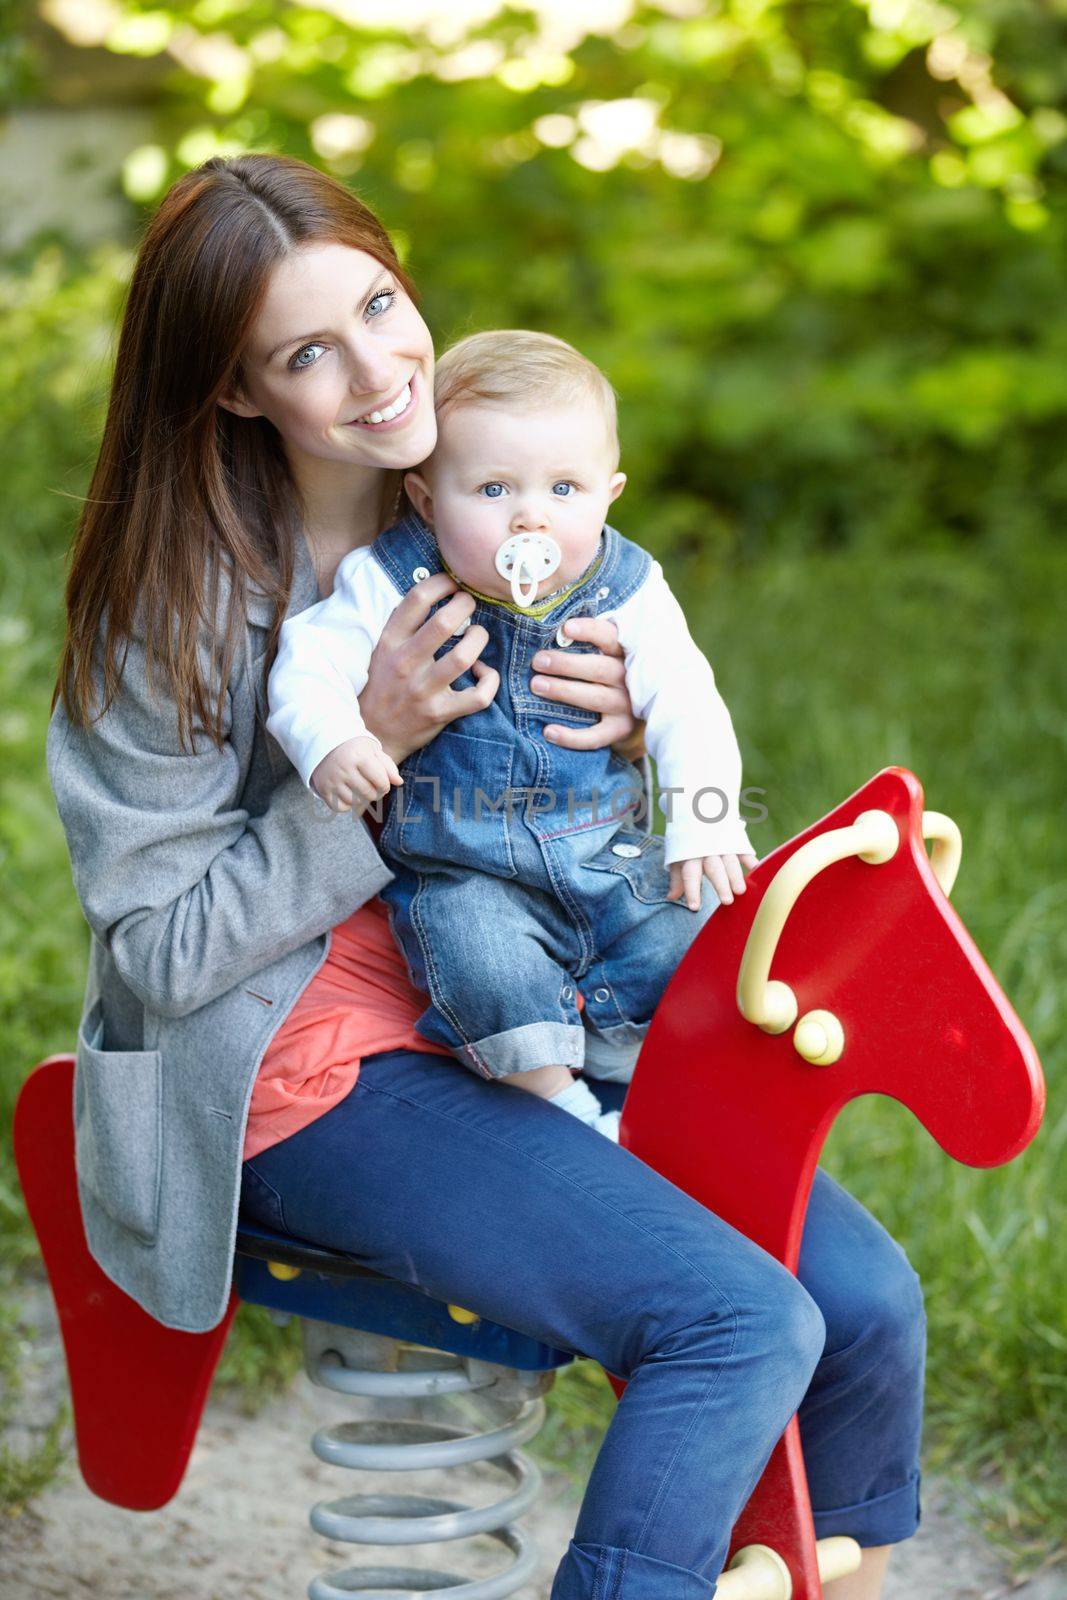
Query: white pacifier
{"type": "Point", "coordinates": [526, 559]}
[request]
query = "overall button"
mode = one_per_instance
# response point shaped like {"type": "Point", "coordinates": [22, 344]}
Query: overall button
{"type": "Point", "coordinates": [420, 573]}
{"type": "Point", "coordinates": [603, 593]}
{"type": "Point", "coordinates": [562, 639]}
{"type": "Point", "coordinates": [639, 859]}
{"type": "Point", "coordinates": [568, 992]}
{"type": "Point", "coordinates": [601, 995]}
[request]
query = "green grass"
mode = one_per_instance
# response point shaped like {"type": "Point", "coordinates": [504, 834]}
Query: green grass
{"type": "Point", "coordinates": [24, 1471]}
{"type": "Point", "coordinates": [949, 663]}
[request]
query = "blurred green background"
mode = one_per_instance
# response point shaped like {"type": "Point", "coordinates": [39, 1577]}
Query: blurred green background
{"type": "Point", "coordinates": [819, 248]}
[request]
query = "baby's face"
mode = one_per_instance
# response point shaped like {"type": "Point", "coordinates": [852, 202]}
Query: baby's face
{"type": "Point", "coordinates": [498, 472]}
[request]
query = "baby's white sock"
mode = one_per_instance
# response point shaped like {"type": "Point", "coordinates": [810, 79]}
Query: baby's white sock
{"type": "Point", "coordinates": [581, 1102]}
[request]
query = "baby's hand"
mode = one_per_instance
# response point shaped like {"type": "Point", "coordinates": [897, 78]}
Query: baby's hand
{"type": "Point", "coordinates": [358, 770]}
{"type": "Point", "coordinates": [726, 874]}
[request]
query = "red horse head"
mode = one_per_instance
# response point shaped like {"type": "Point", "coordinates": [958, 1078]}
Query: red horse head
{"type": "Point", "coordinates": [843, 951]}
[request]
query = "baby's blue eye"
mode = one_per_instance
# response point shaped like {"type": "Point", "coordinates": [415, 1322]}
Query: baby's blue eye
{"type": "Point", "coordinates": [493, 491]}
{"type": "Point", "coordinates": [564, 483]}
{"type": "Point", "coordinates": [301, 366]}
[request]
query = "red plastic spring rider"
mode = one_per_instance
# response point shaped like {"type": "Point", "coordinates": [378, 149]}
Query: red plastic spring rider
{"type": "Point", "coordinates": [842, 971]}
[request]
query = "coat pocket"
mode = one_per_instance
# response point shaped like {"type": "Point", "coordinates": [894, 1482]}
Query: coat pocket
{"type": "Point", "coordinates": [118, 1108]}
{"type": "Point", "coordinates": [637, 857]}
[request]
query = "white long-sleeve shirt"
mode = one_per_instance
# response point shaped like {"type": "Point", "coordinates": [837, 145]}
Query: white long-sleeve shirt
{"type": "Point", "coordinates": [324, 656]}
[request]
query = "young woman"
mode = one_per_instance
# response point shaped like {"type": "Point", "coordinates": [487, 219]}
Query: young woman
{"type": "Point", "coordinates": [248, 1028]}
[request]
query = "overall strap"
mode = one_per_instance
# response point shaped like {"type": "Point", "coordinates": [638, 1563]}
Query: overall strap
{"type": "Point", "coordinates": [621, 570]}
{"type": "Point", "coordinates": [408, 552]}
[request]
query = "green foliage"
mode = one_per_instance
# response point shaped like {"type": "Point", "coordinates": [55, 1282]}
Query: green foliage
{"type": "Point", "coordinates": [26, 1470]}
{"type": "Point", "coordinates": [261, 1357]}
{"type": "Point", "coordinates": [580, 1406]}
{"type": "Point", "coordinates": [24, 1475]}
{"type": "Point", "coordinates": [56, 310]}
{"type": "Point", "coordinates": [819, 249]}
{"type": "Point", "coordinates": [16, 61]}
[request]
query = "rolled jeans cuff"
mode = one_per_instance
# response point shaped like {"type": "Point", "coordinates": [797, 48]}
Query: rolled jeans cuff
{"type": "Point", "coordinates": [888, 1519]}
{"type": "Point", "coordinates": [611, 1053]}
{"type": "Point", "coordinates": [536, 1044]}
{"type": "Point", "coordinates": [605, 1572]}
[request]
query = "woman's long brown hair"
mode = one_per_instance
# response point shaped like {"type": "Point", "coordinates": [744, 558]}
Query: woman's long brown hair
{"type": "Point", "coordinates": [183, 489]}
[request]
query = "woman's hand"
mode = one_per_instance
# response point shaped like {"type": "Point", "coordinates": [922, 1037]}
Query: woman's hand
{"type": "Point", "coordinates": [595, 682]}
{"type": "Point", "coordinates": [408, 697]}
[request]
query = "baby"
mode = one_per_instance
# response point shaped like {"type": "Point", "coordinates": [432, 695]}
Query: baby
{"type": "Point", "coordinates": [520, 875]}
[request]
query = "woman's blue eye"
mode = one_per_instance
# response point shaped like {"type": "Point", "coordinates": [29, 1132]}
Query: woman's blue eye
{"type": "Point", "coordinates": [302, 366]}
{"type": "Point", "coordinates": [489, 490]}
{"type": "Point", "coordinates": [564, 483]}
{"type": "Point", "coordinates": [388, 295]}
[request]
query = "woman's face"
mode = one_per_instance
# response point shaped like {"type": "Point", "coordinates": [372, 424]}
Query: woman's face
{"type": "Point", "coordinates": [336, 340]}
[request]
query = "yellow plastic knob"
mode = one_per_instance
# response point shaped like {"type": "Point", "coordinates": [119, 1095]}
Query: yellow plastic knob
{"type": "Point", "coordinates": [283, 1271]}
{"type": "Point", "coordinates": [819, 1038]}
{"type": "Point", "coordinates": [459, 1314]}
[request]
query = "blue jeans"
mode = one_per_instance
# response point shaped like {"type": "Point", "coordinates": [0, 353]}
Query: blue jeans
{"type": "Point", "coordinates": [488, 1197]}
{"type": "Point", "coordinates": [502, 958]}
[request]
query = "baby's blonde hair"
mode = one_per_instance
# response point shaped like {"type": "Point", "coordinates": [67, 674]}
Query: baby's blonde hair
{"type": "Point", "coordinates": [520, 367]}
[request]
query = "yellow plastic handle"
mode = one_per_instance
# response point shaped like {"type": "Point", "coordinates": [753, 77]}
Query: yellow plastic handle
{"type": "Point", "coordinates": [948, 847]}
{"type": "Point", "coordinates": [758, 1573]}
{"type": "Point", "coordinates": [772, 1006]}
{"type": "Point", "coordinates": [874, 838]}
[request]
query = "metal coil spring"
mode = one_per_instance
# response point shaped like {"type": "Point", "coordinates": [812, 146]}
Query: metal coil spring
{"type": "Point", "coordinates": [404, 1445]}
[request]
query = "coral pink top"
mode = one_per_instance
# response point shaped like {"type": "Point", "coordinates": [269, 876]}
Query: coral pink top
{"type": "Point", "coordinates": [360, 1001]}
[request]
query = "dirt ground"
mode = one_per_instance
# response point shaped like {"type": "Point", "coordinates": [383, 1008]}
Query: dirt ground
{"type": "Point", "coordinates": [238, 1529]}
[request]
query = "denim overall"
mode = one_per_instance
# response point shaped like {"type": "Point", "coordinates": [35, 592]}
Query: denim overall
{"type": "Point", "coordinates": [521, 875]}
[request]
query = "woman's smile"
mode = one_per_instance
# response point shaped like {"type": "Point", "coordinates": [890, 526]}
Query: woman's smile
{"type": "Point", "coordinates": [408, 398]}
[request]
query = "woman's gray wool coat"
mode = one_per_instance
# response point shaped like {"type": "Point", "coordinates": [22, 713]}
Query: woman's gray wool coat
{"type": "Point", "coordinates": [210, 881]}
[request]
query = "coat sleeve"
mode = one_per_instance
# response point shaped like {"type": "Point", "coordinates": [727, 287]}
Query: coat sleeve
{"type": "Point", "coordinates": [189, 892]}
{"type": "Point", "coordinates": [688, 730]}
